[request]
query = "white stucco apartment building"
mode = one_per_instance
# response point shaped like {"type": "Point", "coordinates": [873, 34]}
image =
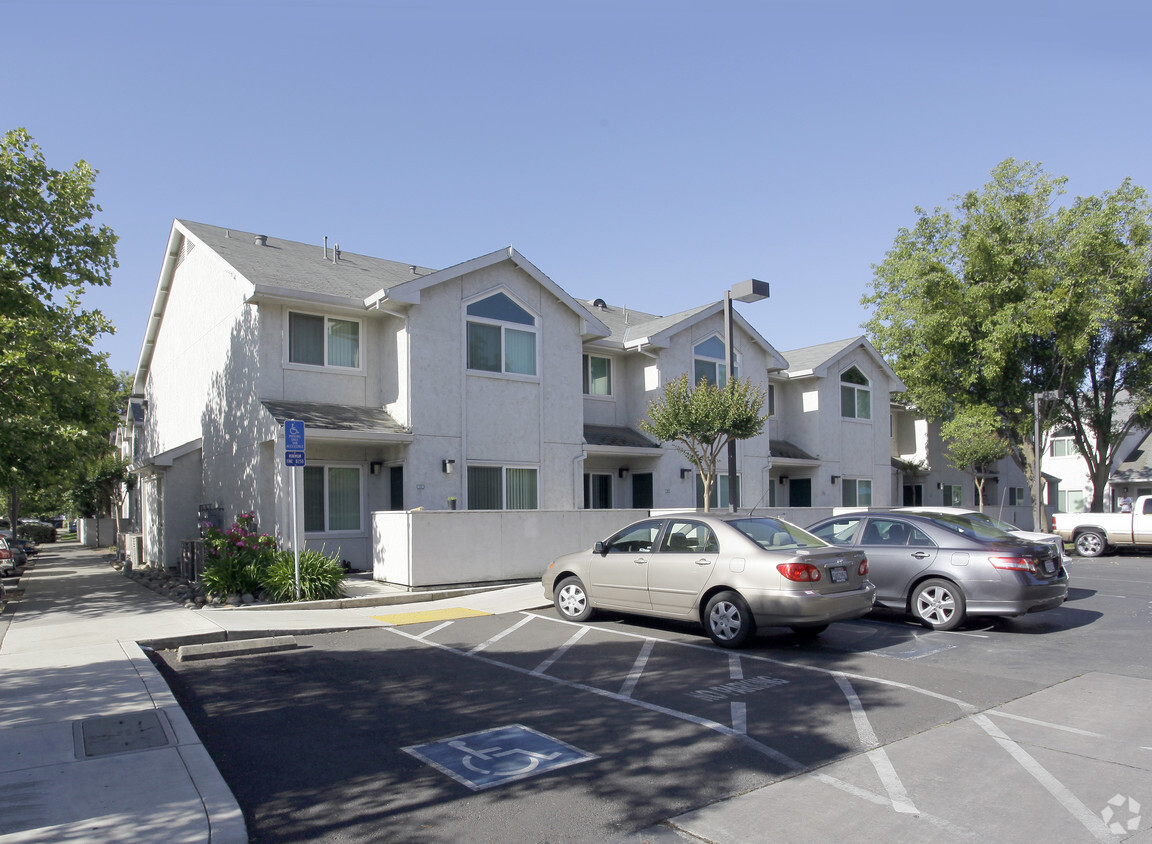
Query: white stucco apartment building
{"type": "Point", "coordinates": [477, 388]}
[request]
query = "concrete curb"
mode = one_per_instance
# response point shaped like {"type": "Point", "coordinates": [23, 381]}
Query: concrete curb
{"type": "Point", "coordinates": [237, 647]}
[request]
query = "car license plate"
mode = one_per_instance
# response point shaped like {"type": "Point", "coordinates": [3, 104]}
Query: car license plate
{"type": "Point", "coordinates": [1049, 567]}
{"type": "Point", "coordinates": [839, 574]}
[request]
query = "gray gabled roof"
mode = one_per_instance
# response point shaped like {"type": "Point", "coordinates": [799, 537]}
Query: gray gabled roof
{"type": "Point", "coordinates": [1136, 465]}
{"type": "Point", "coordinates": [292, 267]}
{"type": "Point", "coordinates": [814, 360]}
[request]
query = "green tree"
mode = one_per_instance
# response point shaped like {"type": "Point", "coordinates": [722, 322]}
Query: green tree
{"type": "Point", "coordinates": [975, 444]}
{"type": "Point", "coordinates": [55, 387]}
{"type": "Point", "coordinates": [700, 420]}
{"type": "Point", "coordinates": [1001, 298]}
{"type": "Point", "coordinates": [1108, 344]}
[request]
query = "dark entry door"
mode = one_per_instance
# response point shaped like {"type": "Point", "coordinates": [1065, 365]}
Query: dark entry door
{"type": "Point", "coordinates": [642, 491]}
{"type": "Point", "coordinates": [800, 492]}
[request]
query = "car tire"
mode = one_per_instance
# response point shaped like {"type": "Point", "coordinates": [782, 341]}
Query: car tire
{"type": "Point", "coordinates": [811, 631]}
{"type": "Point", "coordinates": [939, 604]}
{"type": "Point", "coordinates": [571, 599]}
{"type": "Point", "coordinates": [728, 620]}
{"type": "Point", "coordinates": [1090, 543]}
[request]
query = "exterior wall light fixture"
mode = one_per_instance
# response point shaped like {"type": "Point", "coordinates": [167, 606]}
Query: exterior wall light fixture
{"type": "Point", "coordinates": [449, 466]}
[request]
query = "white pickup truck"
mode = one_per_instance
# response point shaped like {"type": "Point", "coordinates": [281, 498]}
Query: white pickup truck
{"type": "Point", "coordinates": [1094, 533]}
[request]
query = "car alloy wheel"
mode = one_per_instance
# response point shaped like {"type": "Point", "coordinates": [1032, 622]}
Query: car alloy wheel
{"type": "Point", "coordinates": [728, 620]}
{"type": "Point", "coordinates": [1090, 544]}
{"type": "Point", "coordinates": [939, 604]}
{"type": "Point", "coordinates": [572, 600]}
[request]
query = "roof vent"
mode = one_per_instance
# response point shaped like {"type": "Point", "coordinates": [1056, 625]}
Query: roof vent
{"type": "Point", "coordinates": [600, 304]}
{"type": "Point", "coordinates": [260, 240]}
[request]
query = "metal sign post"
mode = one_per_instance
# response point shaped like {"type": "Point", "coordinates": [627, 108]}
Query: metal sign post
{"type": "Point", "coordinates": [293, 458]}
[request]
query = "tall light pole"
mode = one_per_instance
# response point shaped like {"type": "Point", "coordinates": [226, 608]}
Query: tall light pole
{"type": "Point", "coordinates": [752, 290]}
{"type": "Point", "coordinates": [1047, 395]}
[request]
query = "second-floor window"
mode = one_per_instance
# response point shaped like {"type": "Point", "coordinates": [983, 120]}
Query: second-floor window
{"type": "Point", "coordinates": [597, 376]}
{"type": "Point", "coordinates": [315, 340]}
{"type": "Point", "coordinates": [710, 362]}
{"type": "Point", "coordinates": [1064, 447]}
{"type": "Point", "coordinates": [855, 396]}
{"type": "Point", "coordinates": [501, 336]}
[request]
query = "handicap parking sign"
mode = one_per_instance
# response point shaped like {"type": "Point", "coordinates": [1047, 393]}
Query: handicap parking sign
{"type": "Point", "coordinates": [493, 757]}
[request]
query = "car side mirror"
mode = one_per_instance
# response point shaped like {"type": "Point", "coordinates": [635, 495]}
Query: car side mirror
{"type": "Point", "coordinates": [600, 548]}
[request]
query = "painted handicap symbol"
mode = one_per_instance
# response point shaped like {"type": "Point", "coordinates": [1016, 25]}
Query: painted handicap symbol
{"type": "Point", "coordinates": [498, 760]}
{"type": "Point", "coordinates": [498, 756]}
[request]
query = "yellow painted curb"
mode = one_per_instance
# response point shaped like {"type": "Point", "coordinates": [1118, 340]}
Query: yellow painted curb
{"type": "Point", "coordinates": [429, 615]}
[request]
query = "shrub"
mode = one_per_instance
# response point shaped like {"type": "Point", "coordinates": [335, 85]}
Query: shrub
{"type": "Point", "coordinates": [36, 532]}
{"type": "Point", "coordinates": [321, 577]}
{"type": "Point", "coordinates": [235, 560]}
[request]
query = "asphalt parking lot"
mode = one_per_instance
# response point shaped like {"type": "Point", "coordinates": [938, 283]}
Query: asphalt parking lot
{"type": "Point", "coordinates": [523, 727]}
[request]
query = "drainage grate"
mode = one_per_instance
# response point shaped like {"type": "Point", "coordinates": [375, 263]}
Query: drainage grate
{"type": "Point", "coordinates": [119, 734]}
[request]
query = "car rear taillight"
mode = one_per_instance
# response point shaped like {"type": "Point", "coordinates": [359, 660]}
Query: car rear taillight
{"type": "Point", "coordinates": [800, 572]}
{"type": "Point", "coordinates": [1013, 563]}
{"type": "Point", "coordinates": [862, 570]}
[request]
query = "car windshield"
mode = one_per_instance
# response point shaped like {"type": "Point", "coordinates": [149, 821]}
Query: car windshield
{"type": "Point", "coordinates": [775, 535]}
{"type": "Point", "coordinates": [969, 525]}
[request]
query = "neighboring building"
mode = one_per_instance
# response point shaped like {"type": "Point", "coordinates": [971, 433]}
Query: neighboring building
{"type": "Point", "coordinates": [1131, 471]}
{"type": "Point", "coordinates": [924, 477]}
{"type": "Point", "coordinates": [483, 386]}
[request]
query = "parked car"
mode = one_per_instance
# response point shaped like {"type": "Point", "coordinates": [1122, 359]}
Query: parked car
{"type": "Point", "coordinates": [1094, 533]}
{"type": "Point", "coordinates": [975, 515]}
{"type": "Point", "coordinates": [8, 563]}
{"type": "Point", "coordinates": [943, 568]}
{"type": "Point", "coordinates": [15, 549]}
{"type": "Point", "coordinates": [731, 574]}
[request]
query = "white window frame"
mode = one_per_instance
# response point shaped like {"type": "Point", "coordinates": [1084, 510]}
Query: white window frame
{"type": "Point", "coordinates": [315, 367]}
{"type": "Point", "coordinates": [1067, 447]}
{"type": "Point", "coordinates": [720, 363]}
{"type": "Point", "coordinates": [327, 466]}
{"type": "Point", "coordinates": [953, 495]}
{"type": "Point", "coordinates": [856, 390]}
{"type": "Point", "coordinates": [854, 484]}
{"type": "Point", "coordinates": [586, 376]}
{"type": "Point", "coordinates": [1016, 496]}
{"type": "Point", "coordinates": [590, 481]}
{"type": "Point", "coordinates": [505, 326]}
{"type": "Point", "coordinates": [504, 469]}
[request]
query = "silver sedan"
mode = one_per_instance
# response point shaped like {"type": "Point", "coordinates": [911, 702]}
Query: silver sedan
{"type": "Point", "coordinates": [730, 574]}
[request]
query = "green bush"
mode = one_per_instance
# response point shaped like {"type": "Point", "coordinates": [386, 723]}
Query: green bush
{"type": "Point", "coordinates": [36, 532]}
{"type": "Point", "coordinates": [321, 577]}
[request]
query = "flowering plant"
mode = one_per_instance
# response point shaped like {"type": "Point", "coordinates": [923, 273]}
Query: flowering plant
{"type": "Point", "coordinates": [235, 560]}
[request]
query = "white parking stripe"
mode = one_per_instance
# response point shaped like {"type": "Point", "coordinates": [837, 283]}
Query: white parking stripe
{"type": "Point", "coordinates": [432, 630]}
{"type": "Point", "coordinates": [876, 755]}
{"type": "Point", "coordinates": [1091, 821]}
{"type": "Point", "coordinates": [740, 717]}
{"type": "Point", "coordinates": [735, 667]}
{"type": "Point", "coordinates": [543, 667]}
{"type": "Point", "coordinates": [500, 636]}
{"type": "Point", "coordinates": [637, 668]}
{"type": "Point", "coordinates": [1047, 724]}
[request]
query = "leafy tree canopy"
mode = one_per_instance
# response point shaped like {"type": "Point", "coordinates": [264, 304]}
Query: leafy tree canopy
{"type": "Point", "coordinates": [700, 420]}
{"type": "Point", "coordinates": [1007, 295]}
{"type": "Point", "coordinates": [58, 407]}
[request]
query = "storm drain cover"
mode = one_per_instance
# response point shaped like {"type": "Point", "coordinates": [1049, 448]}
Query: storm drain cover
{"type": "Point", "coordinates": [494, 757]}
{"type": "Point", "coordinates": [122, 734]}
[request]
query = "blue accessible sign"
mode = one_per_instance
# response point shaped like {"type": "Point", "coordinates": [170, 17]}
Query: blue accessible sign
{"type": "Point", "coordinates": [293, 442]}
{"type": "Point", "coordinates": [493, 757]}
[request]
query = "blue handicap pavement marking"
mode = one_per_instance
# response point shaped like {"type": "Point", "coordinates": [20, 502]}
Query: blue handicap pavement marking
{"type": "Point", "coordinates": [494, 757]}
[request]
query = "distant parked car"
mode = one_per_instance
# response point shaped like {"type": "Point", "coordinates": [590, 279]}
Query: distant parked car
{"type": "Point", "coordinates": [8, 560]}
{"type": "Point", "coordinates": [943, 568]}
{"type": "Point", "coordinates": [730, 574]}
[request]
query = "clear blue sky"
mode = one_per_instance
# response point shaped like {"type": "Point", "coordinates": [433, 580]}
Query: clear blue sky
{"type": "Point", "coordinates": [650, 153]}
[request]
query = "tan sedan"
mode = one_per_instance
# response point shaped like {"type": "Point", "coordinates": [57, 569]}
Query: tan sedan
{"type": "Point", "coordinates": [732, 574]}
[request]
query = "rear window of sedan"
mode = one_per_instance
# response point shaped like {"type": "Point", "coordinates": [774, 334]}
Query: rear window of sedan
{"type": "Point", "coordinates": [775, 535]}
{"type": "Point", "coordinates": [970, 527]}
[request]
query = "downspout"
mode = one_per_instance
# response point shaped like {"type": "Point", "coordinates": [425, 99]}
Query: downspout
{"type": "Point", "coordinates": [578, 479]}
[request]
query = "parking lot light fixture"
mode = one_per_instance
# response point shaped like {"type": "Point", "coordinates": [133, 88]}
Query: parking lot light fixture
{"type": "Point", "coordinates": [752, 290]}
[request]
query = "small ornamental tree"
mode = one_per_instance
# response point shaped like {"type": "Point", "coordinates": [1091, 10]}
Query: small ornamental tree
{"type": "Point", "coordinates": [701, 420]}
{"type": "Point", "coordinates": [975, 442]}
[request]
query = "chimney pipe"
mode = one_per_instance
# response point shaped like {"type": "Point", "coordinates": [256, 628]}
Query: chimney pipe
{"type": "Point", "coordinates": [261, 240]}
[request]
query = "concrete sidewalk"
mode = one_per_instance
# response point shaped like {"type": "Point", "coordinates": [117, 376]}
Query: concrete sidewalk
{"type": "Point", "coordinates": [93, 746]}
